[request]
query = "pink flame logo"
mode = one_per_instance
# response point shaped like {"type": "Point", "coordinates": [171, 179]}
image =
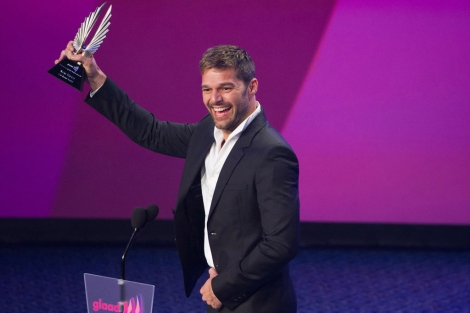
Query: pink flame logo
{"type": "Point", "coordinates": [134, 305]}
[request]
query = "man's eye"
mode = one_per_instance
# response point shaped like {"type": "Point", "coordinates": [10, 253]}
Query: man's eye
{"type": "Point", "coordinates": [227, 88]}
{"type": "Point", "coordinates": [205, 90]}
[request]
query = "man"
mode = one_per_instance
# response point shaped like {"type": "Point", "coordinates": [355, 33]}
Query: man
{"type": "Point", "coordinates": [238, 208]}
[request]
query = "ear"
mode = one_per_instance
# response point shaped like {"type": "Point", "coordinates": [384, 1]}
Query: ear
{"type": "Point", "coordinates": [253, 86]}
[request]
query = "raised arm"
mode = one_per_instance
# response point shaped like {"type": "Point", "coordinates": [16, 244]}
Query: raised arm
{"type": "Point", "coordinates": [137, 123]}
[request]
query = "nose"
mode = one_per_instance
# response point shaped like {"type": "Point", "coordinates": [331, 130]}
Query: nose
{"type": "Point", "coordinates": [216, 97]}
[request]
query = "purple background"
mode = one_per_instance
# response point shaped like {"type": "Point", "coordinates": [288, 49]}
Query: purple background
{"type": "Point", "coordinates": [372, 95]}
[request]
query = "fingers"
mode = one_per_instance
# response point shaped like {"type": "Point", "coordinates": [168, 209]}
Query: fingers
{"type": "Point", "coordinates": [70, 46]}
{"type": "Point", "coordinates": [67, 52]}
{"type": "Point", "coordinates": [207, 293]}
{"type": "Point", "coordinates": [61, 57]}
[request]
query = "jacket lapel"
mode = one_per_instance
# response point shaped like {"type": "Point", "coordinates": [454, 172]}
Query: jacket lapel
{"type": "Point", "coordinates": [197, 152]}
{"type": "Point", "coordinates": [235, 156]}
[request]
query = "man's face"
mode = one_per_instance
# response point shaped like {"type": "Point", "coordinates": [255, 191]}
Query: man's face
{"type": "Point", "coordinates": [227, 98]}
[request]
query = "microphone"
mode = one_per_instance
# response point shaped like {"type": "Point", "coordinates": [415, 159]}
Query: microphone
{"type": "Point", "coordinates": [152, 212]}
{"type": "Point", "coordinates": [139, 219]}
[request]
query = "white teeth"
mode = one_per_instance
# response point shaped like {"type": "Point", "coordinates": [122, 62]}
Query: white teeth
{"type": "Point", "coordinates": [220, 109]}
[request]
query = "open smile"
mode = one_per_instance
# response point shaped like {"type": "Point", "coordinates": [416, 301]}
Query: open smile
{"type": "Point", "coordinates": [221, 112]}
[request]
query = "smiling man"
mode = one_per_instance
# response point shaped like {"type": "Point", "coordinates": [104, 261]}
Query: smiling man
{"type": "Point", "coordinates": [237, 212]}
{"type": "Point", "coordinates": [229, 95]}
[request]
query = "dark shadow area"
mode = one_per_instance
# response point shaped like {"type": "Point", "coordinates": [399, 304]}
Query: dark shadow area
{"type": "Point", "coordinates": [161, 233]}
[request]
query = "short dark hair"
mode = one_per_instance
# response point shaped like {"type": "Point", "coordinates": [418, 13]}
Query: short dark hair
{"type": "Point", "coordinates": [227, 56]}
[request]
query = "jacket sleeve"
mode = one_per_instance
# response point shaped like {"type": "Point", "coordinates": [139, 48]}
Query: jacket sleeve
{"type": "Point", "coordinates": [278, 203]}
{"type": "Point", "coordinates": [138, 124]}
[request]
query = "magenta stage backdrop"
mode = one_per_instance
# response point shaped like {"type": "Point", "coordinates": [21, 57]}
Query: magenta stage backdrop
{"type": "Point", "coordinates": [374, 97]}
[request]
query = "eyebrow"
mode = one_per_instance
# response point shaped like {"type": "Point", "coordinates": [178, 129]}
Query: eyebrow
{"type": "Point", "coordinates": [221, 85]}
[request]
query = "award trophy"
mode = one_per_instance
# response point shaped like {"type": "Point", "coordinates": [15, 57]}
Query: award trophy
{"type": "Point", "coordinates": [72, 72]}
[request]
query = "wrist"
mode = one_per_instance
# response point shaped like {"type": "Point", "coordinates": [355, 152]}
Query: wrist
{"type": "Point", "coordinates": [97, 80]}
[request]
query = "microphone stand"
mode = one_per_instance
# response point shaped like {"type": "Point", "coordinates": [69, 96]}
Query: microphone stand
{"type": "Point", "coordinates": [123, 270]}
{"type": "Point", "coordinates": [123, 259]}
{"type": "Point", "coordinates": [140, 217]}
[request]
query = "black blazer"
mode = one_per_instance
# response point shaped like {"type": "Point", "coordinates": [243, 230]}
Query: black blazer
{"type": "Point", "coordinates": [253, 221]}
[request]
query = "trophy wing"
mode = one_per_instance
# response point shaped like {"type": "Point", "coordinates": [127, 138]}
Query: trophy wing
{"type": "Point", "coordinates": [99, 36]}
{"type": "Point", "coordinates": [86, 28]}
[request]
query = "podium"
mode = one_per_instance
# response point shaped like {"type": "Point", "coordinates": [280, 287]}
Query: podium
{"type": "Point", "coordinates": [106, 294]}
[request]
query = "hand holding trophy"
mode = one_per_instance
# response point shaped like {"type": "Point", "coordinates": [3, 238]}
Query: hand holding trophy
{"type": "Point", "coordinates": [73, 72]}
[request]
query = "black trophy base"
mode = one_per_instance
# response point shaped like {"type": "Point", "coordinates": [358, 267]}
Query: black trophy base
{"type": "Point", "coordinates": [69, 72]}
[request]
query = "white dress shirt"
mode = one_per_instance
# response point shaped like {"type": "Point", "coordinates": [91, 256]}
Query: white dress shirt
{"type": "Point", "coordinates": [214, 162]}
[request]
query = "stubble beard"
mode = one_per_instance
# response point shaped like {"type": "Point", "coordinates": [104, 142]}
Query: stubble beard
{"type": "Point", "coordinates": [241, 110]}
{"type": "Point", "coordinates": [231, 122]}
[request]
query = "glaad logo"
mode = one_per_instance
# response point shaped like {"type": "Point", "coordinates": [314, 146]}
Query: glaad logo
{"type": "Point", "coordinates": [134, 305]}
{"type": "Point", "coordinates": [75, 68]}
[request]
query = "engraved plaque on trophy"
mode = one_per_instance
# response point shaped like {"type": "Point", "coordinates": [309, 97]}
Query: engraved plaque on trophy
{"type": "Point", "coordinates": [72, 72]}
